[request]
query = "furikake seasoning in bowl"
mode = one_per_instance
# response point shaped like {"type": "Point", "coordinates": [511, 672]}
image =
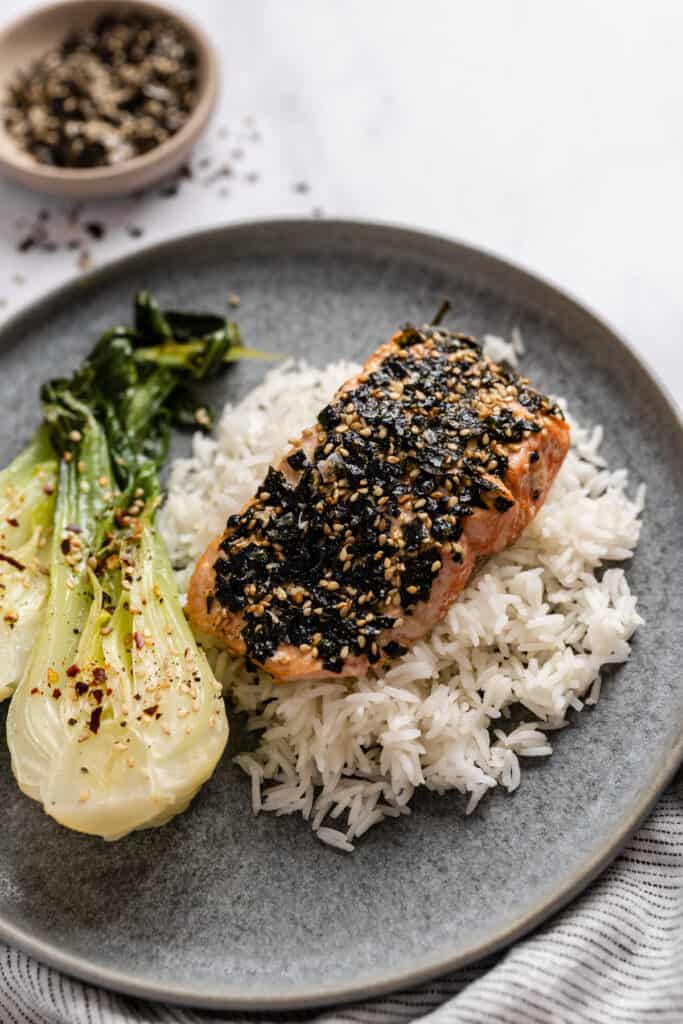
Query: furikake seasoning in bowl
{"type": "Point", "coordinates": [106, 93]}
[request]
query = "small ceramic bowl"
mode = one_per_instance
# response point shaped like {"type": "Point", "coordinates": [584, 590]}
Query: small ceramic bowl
{"type": "Point", "coordinates": [31, 36]}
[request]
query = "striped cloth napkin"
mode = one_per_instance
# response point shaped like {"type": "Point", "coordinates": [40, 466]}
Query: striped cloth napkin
{"type": "Point", "coordinates": [614, 957]}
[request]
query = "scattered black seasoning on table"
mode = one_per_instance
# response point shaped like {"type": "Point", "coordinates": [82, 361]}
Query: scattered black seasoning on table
{"type": "Point", "coordinates": [106, 94]}
{"type": "Point", "coordinates": [82, 230]}
{"type": "Point", "coordinates": [224, 170]}
{"type": "Point", "coordinates": [96, 229]}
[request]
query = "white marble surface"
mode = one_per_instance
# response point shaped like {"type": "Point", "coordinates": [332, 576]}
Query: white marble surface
{"type": "Point", "coordinates": [548, 133]}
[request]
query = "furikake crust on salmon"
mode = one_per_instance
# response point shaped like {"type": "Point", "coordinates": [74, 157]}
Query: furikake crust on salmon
{"type": "Point", "coordinates": [343, 542]}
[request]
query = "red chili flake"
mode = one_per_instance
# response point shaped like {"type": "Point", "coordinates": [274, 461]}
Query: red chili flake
{"type": "Point", "coordinates": [139, 640]}
{"type": "Point", "coordinates": [81, 688]}
{"type": "Point", "coordinates": [48, 489]}
{"type": "Point", "coordinates": [98, 695]}
{"type": "Point", "coordinates": [56, 693]}
{"type": "Point", "coordinates": [35, 690]}
{"type": "Point", "coordinates": [152, 710]}
{"type": "Point", "coordinates": [13, 522]}
{"type": "Point", "coordinates": [109, 691]}
{"type": "Point", "coordinates": [99, 675]}
{"type": "Point", "coordinates": [73, 670]}
{"type": "Point", "coordinates": [94, 723]}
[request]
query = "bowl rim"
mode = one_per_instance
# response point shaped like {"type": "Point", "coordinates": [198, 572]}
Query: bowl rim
{"type": "Point", "coordinates": [12, 156]}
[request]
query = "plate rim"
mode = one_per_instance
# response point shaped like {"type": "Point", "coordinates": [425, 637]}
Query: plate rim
{"type": "Point", "coordinates": [441, 962]}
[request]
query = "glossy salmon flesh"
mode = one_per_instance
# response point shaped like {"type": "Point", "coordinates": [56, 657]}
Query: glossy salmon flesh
{"type": "Point", "coordinates": [363, 536]}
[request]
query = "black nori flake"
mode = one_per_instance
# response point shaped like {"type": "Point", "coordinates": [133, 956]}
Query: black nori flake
{"type": "Point", "coordinates": [502, 503]}
{"type": "Point", "coordinates": [297, 460]}
{"type": "Point", "coordinates": [394, 649]}
{"type": "Point", "coordinates": [329, 417]}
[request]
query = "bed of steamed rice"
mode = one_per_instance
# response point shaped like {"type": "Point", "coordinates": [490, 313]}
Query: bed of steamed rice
{"type": "Point", "coordinates": [531, 632]}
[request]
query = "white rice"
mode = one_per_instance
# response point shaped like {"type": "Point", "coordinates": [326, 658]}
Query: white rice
{"type": "Point", "coordinates": [532, 630]}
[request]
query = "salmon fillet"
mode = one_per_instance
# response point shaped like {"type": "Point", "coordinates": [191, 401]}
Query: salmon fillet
{"type": "Point", "coordinates": [361, 538]}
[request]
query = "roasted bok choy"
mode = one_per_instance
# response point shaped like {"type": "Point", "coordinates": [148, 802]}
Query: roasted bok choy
{"type": "Point", "coordinates": [117, 720]}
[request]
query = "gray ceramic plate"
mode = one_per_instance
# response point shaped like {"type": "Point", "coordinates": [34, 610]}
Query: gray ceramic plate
{"type": "Point", "coordinates": [222, 909]}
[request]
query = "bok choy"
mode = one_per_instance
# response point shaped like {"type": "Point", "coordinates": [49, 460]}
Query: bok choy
{"type": "Point", "coordinates": [118, 719]}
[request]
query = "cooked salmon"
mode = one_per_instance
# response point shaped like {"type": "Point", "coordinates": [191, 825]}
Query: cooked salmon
{"type": "Point", "coordinates": [357, 543]}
